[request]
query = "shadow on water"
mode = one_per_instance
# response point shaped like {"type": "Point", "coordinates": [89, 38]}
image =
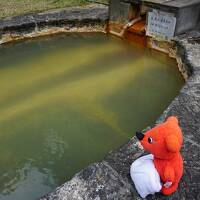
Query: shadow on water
{"type": "Point", "coordinates": [70, 101]}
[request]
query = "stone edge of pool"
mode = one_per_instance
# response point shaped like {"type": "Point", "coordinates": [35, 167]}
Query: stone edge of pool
{"type": "Point", "coordinates": [91, 18]}
{"type": "Point", "coordinates": [110, 179]}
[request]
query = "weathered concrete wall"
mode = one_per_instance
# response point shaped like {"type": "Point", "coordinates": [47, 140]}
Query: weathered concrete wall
{"type": "Point", "coordinates": [187, 16]}
{"type": "Point", "coordinates": [187, 19]}
{"type": "Point", "coordinates": [120, 12]}
{"type": "Point", "coordinates": [89, 18]}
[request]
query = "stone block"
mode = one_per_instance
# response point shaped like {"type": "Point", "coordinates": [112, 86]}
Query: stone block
{"type": "Point", "coordinates": [120, 12]}
{"type": "Point", "coordinates": [187, 13]}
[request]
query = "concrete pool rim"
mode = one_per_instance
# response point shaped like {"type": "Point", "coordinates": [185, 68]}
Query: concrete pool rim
{"type": "Point", "coordinates": [109, 179]}
{"type": "Point", "coordinates": [91, 18]}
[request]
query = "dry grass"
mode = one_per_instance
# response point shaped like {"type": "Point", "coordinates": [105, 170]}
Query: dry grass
{"type": "Point", "coordinates": [17, 7]}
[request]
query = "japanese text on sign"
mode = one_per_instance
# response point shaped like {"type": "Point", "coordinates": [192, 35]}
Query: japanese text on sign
{"type": "Point", "coordinates": [161, 24]}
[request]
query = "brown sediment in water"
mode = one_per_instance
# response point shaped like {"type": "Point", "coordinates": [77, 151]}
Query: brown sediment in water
{"type": "Point", "coordinates": [136, 35]}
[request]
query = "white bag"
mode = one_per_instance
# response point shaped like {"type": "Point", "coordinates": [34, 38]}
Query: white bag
{"type": "Point", "coordinates": [145, 176]}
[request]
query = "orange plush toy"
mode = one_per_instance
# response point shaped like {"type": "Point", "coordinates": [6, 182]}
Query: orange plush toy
{"type": "Point", "coordinates": [164, 142]}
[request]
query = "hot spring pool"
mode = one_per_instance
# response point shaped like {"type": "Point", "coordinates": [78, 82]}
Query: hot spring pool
{"type": "Point", "coordinates": [66, 101]}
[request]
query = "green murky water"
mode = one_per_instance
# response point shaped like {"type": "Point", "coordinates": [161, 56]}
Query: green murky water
{"type": "Point", "coordinates": [66, 101]}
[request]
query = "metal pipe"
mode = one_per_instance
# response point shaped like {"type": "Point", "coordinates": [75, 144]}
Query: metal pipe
{"type": "Point", "coordinates": [129, 24]}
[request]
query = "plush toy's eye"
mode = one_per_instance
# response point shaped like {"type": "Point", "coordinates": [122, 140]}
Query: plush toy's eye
{"type": "Point", "coordinates": [150, 140]}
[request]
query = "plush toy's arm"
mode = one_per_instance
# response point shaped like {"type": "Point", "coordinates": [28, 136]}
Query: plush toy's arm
{"type": "Point", "coordinates": [169, 175]}
{"type": "Point", "coordinates": [169, 186]}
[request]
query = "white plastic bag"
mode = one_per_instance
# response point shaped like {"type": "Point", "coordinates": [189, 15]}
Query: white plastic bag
{"type": "Point", "coordinates": [145, 176]}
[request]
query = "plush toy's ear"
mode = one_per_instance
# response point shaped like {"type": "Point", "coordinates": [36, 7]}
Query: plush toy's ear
{"type": "Point", "coordinates": [172, 119]}
{"type": "Point", "coordinates": [172, 143]}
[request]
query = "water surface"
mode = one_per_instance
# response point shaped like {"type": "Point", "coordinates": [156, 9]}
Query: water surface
{"type": "Point", "coordinates": [66, 101]}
